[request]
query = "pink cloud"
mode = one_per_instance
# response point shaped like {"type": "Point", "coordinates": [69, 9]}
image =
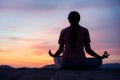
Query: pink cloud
{"type": "Point", "coordinates": [26, 6]}
{"type": "Point", "coordinates": [6, 50]}
{"type": "Point", "coordinates": [43, 47]}
{"type": "Point", "coordinates": [21, 39]}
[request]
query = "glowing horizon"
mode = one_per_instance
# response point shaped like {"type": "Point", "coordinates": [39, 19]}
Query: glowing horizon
{"type": "Point", "coordinates": [28, 29]}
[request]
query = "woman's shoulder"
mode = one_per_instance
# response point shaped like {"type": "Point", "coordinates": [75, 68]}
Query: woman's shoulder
{"type": "Point", "coordinates": [83, 28]}
{"type": "Point", "coordinates": [65, 29]}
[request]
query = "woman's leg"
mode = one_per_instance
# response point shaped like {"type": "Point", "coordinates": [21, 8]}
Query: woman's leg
{"type": "Point", "coordinates": [58, 61]}
{"type": "Point", "coordinates": [92, 63]}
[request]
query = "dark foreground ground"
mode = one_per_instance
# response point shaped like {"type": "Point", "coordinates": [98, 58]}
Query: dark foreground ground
{"type": "Point", "coordinates": [54, 74]}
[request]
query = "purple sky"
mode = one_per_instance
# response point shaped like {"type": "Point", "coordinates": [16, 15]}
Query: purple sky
{"type": "Point", "coordinates": [31, 27]}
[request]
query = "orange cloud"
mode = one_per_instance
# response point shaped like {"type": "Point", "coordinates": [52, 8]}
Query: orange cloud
{"type": "Point", "coordinates": [21, 39]}
{"type": "Point", "coordinates": [42, 48]}
{"type": "Point", "coordinates": [5, 50]}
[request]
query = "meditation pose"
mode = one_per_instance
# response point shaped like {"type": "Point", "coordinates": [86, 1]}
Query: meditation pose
{"type": "Point", "coordinates": [73, 42]}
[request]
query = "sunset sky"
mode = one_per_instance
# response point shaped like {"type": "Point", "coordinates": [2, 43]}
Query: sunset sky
{"type": "Point", "coordinates": [29, 28]}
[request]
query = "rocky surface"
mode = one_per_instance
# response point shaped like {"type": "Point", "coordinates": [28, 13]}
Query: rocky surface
{"type": "Point", "coordinates": [9, 73]}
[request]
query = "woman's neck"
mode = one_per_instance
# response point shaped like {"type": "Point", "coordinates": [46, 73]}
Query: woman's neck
{"type": "Point", "coordinates": [74, 24]}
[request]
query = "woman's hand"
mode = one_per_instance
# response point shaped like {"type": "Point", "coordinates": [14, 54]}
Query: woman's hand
{"type": "Point", "coordinates": [50, 53]}
{"type": "Point", "coordinates": [105, 55]}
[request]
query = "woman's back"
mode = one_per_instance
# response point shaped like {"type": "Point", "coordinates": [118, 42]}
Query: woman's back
{"type": "Point", "coordinates": [77, 53]}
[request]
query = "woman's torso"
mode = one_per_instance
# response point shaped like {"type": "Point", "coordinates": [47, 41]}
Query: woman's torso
{"type": "Point", "coordinates": [76, 54]}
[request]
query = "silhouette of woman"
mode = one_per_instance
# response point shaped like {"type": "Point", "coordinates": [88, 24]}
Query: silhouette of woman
{"type": "Point", "coordinates": [72, 42]}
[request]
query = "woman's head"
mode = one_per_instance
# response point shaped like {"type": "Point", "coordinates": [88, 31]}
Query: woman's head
{"type": "Point", "coordinates": [74, 17]}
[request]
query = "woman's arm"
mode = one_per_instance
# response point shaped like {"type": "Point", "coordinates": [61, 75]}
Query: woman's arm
{"type": "Point", "coordinates": [58, 52]}
{"type": "Point", "coordinates": [92, 53]}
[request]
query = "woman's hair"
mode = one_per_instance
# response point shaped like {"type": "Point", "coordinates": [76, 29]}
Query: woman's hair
{"type": "Point", "coordinates": [74, 18]}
